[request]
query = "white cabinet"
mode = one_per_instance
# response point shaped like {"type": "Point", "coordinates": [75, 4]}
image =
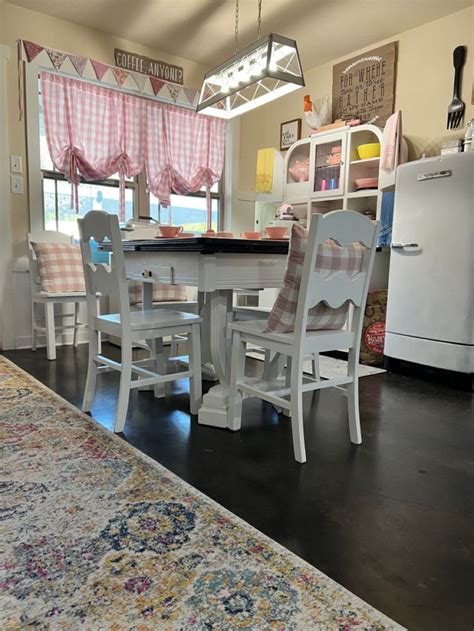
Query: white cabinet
{"type": "Point", "coordinates": [321, 172]}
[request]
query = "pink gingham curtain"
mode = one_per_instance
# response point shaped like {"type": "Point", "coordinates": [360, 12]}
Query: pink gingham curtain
{"type": "Point", "coordinates": [95, 132]}
{"type": "Point", "coordinates": [91, 131]}
{"type": "Point", "coordinates": [184, 151]}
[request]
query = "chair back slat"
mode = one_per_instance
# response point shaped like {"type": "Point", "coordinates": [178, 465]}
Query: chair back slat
{"type": "Point", "coordinates": [102, 279]}
{"type": "Point", "coordinates": [345, 228]}
{"type": "Point", "coordinates": [336, 290]}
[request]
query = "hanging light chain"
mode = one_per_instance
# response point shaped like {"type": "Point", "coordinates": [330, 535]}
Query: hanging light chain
{"type": "Point", "coordinates": [236, 40]}
{"type": "Point", "coordinates": [259, 20]}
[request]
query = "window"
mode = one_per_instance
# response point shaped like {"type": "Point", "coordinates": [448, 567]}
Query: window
{"type": "Point", "coordinates": [189, 211]}
{"type": "Point", "coordinates": [57, 194]}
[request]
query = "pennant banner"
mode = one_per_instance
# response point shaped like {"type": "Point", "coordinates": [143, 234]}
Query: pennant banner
{"type": "Point", "coordinates": [99, 68]}
{"type": "Point", "coordinates": [146, 85]}
{"type": "Point", "coordinates": [79, 63]}
{"type": "Point", "coordinates": [120, 76]}
{"type": "Point", "coordinates": [32, 50]}
{"type": "Point", "coordinates": [57, 58]}
{"type": "Point", "coordinates": [156, 84]}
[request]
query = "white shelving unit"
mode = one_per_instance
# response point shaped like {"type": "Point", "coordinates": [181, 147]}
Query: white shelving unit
{"type": "Point", "coordinates": [331, 181]}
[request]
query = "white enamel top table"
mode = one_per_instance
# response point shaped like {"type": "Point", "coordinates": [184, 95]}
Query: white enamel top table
{"type": "Point", "coordinates": [215, 267]}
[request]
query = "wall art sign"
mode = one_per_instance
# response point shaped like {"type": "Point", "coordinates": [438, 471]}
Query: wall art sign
{"type": "Point", "coordinates": [364, 86]}
{"type": "Point", "coordinates": [145, 65]}
{"type": "Point", "coordinates": [290, 132]}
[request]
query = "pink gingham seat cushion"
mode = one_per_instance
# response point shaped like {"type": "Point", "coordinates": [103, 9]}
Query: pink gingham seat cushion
{"type": "Point", "coordinates": [161, 293]}
{"type": "Point", "coordinates": [331, 258]}
{"type": "Point", "coordinates": [60, 268]}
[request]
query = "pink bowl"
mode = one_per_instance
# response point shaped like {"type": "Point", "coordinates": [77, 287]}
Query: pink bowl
{"type": "Point", "coordinates": [367, 182]}
{"type": "Point", "coordinates": [170, 231]}
{"type": "Point", "coordinates": [251, 235]}
{"type": "Point", "coordinates": [276, 232]}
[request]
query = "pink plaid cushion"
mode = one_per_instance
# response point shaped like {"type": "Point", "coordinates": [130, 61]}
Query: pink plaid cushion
{"type": "Point", "coordinates": [60, 267]}
{"type": "Point", "coordinates": [161, 292]}
{"type": "Point", "coordinates": [331, 258]}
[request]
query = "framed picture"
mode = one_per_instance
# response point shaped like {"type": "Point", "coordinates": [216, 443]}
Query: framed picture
{"type": "Point", "coordinates": [290, 132]}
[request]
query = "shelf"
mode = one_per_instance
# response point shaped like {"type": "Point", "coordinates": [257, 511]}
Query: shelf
{"type": "Point", "coordinates": [328, 198]}
{"type": "Point", "coordinates": [366, 161]}
{"type": "Point", "coordinates": [369, 192]}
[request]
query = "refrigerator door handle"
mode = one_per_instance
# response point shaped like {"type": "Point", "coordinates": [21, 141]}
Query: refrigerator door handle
{"type": "Point", "coordinates": [400, 246]}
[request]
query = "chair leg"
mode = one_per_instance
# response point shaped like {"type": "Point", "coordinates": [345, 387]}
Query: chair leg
{"type": "Point", "coordinates": [34, 331]}
{"type": "Point", "coordinates": [50, 331]}
{"type": "Point", "coordinates": [353, 398]}
{"type": "Point", "coordinates": [76, 324]}
{"type": "Point", "coordinates": [91, 380]}
{"type": "Point", "coordinates": [124, 389]}
{"type": "Point", "coordinates": [237, 373]}
{"type": "Point", "coordinates": [296, 394]}
{"type": "Point", "coordinates": [315, 367]}
{"type": "Point", "coordinates": [173, 346]}
{"type": "Point", "coordinates": [285, 411]}
{"type": "Point", "coordinates": [195, 382]}
{"type": "Point", "coordinates": [156, 346]}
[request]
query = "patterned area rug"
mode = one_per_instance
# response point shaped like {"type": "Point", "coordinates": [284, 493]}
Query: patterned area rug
{"type": "Point", "coordinates": [98, 536]}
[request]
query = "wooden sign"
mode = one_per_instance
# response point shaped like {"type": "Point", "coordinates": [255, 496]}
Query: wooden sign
{"type": "Point", "coordinates": [364, 86]}
{"type": "Point", "coordinates": [152, 67]}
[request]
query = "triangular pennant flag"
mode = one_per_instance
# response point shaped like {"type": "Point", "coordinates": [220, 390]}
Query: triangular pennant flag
{"type": "Point", "coordinates": [32, 50]}
{"type": "Point", "coordinates": [79, 63]}
{"type": "Point", "coordinates": [174, 91]}
{"type": "Point", "coordinates": [120, 76]}
{"type": "Point", "coordinates": [57, 58]}
{"type": "Point", "coordinates": [140, 80]}
{"type": "Point", "coordinates": [99, 68]}
{"type": "Point", "coordinates": [190, 94]}
{"type": "Point", "coordinates": [156, 84]}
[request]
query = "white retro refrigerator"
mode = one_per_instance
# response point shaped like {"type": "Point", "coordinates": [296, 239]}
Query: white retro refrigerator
{"type": "Point", "coordinates": [430, 311]}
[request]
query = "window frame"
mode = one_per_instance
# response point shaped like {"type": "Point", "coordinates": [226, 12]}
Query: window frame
{"type": "Point", "coordinates": [216, 195]}
{"type": "Point", "coordinates": [56, 176]}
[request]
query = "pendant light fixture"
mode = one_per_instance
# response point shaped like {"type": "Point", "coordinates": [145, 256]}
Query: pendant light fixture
{"type": "Point", "coordinates": [260, 73]}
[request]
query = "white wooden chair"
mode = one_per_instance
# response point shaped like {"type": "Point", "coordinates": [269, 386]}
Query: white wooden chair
{"type": "Point", "coordinates": [345, 228]}
{"type": "Point", "coordinates": [48, 300]}
{"type": "Point", "coordinates": [130, 326]}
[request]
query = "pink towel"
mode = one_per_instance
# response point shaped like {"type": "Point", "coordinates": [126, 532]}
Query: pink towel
{"type": "Point", "coordinates": [393, 146]}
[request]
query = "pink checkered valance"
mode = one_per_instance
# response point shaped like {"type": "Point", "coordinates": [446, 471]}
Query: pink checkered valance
{"type": "Point", "coordinates": [95, 132]}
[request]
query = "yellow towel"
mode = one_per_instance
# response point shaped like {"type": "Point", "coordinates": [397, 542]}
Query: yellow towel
{"type": "Point", "coordinates": [264, 176]}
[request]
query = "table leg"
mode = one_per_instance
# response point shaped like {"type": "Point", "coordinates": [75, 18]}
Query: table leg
{"type": "Point", "coordinates": [214, 407]}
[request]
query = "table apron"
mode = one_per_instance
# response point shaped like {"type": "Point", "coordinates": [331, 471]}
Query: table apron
{"type": "Point", "coordinates": [207, 272]}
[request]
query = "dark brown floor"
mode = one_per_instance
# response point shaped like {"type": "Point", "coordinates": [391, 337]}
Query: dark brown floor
{"type": "Point", "coordinates": [391, 520]}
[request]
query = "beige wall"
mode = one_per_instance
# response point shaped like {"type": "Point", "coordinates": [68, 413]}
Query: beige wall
{"type": "Point", "coordinates": [20, 23]}
{"type": "Point", "coordinates": [423, 92]}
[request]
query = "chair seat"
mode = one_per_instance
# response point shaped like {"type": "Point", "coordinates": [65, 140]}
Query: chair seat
{"type": "Point", "coordinates": [78, 295]}
{"type": "Point", "coordinates": [251, 313]}
{"type": "Point", "coordinates": [324, 339]}
{"type": "Point", "coordinates": [151, 319]}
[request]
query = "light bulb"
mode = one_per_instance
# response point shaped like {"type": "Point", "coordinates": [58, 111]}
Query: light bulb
{"type": "Point", "coordinates": [233, 80]}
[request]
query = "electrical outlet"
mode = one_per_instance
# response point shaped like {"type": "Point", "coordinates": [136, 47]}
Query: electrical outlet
{"type": "Point", "coordinates": [16, 164]}
{"type": "Point", "coordinates": [16, 184]}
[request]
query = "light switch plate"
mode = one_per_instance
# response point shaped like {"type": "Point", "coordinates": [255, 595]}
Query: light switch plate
{"type": "Point", "coordinates": [16, 184]}
{"type": "Point", "coordinates": [16, 164]}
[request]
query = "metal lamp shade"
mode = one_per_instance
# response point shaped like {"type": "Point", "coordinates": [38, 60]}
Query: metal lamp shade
{"type": "Point", "coordinates": [259, 74]}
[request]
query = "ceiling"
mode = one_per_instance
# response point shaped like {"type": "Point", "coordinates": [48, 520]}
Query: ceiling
{"type": "Point", "coordinates": [203, 30]}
